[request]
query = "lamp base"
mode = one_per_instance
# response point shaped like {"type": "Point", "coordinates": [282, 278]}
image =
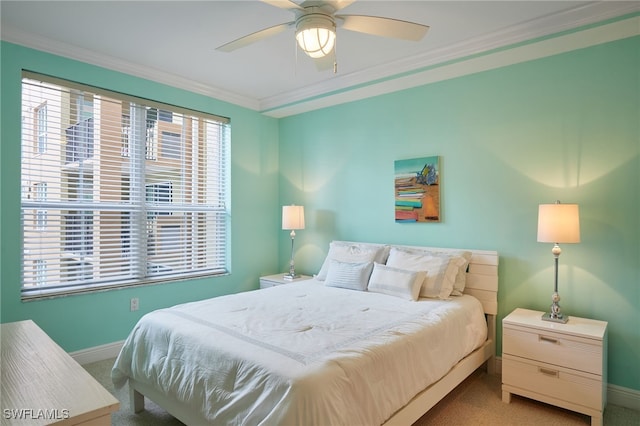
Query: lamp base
{"type": "Point", "coordinates": [290, 277]}
{"type": "Point", "coordinates": [555, 318]}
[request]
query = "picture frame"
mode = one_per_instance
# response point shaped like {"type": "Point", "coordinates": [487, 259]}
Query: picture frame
{"type": "Point", "coordinates": [417, 190]}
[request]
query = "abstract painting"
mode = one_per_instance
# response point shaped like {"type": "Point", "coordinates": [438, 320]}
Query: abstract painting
{"type": "Point", "coordinates": [417, 190]}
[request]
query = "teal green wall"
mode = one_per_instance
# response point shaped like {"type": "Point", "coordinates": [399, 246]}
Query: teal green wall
{"type": "Point", "coordinates": [563, 127]}
{"type": "Point", "coordinates": [83, 321]}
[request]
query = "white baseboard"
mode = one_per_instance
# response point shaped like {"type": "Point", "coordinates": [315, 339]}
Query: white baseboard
{"type": "Point", "coordinates": [623, 397]}
{"type": "Point", "coordinates": [97, 353]}
{"type": "Point", "coordinates": [616, 395]}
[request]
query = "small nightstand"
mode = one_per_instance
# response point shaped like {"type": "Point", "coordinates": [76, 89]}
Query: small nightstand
{"type": "Point", "coordinates": [559, 364]}
{"type": "Point", "coordinates": [278, 279]}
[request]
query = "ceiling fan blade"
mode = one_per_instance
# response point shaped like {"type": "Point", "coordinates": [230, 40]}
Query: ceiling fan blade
{"type": "Point", "coordinates": [252, 38]}
{"type": "Point", "coordinates": [282, 4]}
{"type": "Point", "coordinates": [340, 4]}
{"type": "Point", "coordinates": [385, 27]}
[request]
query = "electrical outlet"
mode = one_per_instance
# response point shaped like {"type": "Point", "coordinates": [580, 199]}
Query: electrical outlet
{"type": "Point", "coordinates": [134, 304]}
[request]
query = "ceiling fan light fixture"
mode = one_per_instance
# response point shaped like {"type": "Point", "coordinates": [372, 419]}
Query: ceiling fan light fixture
{"type": "Point", "coordinates": [316, 35]}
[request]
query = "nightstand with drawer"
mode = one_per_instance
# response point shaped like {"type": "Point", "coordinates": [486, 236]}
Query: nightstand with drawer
{"type": "Point", "coordinates": [559, 364]}
{"type": "Point", "coordinates": [278, 279]}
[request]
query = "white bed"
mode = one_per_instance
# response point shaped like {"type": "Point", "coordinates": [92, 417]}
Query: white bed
{"type": "Point", "coordinates": [307, 353]}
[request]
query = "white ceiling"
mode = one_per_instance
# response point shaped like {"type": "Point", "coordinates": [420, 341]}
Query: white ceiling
{"type": "Point", "coordinates": [175, 41]}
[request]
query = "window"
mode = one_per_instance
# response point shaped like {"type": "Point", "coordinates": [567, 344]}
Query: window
{"type": "Point", "coordinates": [41, 126]}
{"type": "Point", "coordinates": [40, 190]}
{"type": "Point", "coordinates": [40, 272]}
{"type": "Point", "coordinates": [79, 141]}
{"type": "Point", "coordinates": [157, 193]}
{"type": "Point", "coordinates": [171, 145]}
{"type": "Point", "coordinates": [107, 204]}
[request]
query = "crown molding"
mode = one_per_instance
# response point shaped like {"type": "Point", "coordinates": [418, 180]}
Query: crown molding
{"type": "Point", "coordinates": [357, 85]}
{"type": "Point", "coordinates": [552, 46]}
{"type": "Point", "coordinates": [538, 28]}
{"type": "Point", "coordinates": [16, 36]}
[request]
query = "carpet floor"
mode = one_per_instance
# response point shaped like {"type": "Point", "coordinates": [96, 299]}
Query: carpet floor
{"type": "Point", "coordinates": [477, 401]}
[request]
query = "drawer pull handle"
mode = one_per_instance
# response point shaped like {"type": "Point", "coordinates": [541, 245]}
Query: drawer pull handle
{"type": "Point", "coordinates": [548, 372]}
{"type": "Point", "coordinates": [547, 339]}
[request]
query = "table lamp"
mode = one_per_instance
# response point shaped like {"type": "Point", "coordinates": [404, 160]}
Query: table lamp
{"type": "Point", "coordinates": [292, 219]}
{"type": "Point", "coordinates": [558, 223]}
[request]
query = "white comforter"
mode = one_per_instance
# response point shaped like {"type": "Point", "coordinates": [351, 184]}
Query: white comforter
{"type": "Point", "coordinates": [300, 354]}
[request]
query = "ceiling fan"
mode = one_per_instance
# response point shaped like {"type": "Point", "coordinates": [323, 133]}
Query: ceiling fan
{"type": "Point", "coordinates": [315, 28]}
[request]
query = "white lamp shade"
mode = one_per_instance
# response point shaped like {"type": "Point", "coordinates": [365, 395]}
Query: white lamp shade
{"type": "Point", "coordinates": [292, 217]}
{"type": "Point", "coordinates": [558, 223]}
{"type": "Point", "coordinates": [316, 35]}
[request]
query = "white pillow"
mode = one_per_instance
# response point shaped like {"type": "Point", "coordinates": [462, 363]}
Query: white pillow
{"type": "Point", "coordinates": [344, 251]}
{"type": "Point", "coordinates": [461, 278]}
{"type": "Point", "coordinates": [396, 282]}
{"type": "Point", "coordinates": [442, 270]}
{"type": "Point", "coordinates": [353, 276]}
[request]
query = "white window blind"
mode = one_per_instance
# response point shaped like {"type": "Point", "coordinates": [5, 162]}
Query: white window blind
{"type": "Point", "coordinates": [128, 191]}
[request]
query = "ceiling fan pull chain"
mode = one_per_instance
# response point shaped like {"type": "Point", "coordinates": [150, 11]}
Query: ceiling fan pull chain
{"type": "Point", "coordinates": [335, 58]}
{"type": "Point", "coordinates": [295, 65]}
